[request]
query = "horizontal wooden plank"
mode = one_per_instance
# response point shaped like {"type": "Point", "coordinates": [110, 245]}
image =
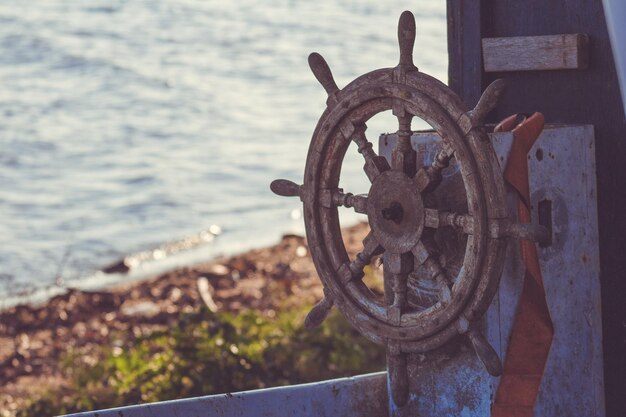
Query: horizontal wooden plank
{"type": "Point", "coordinates": [536, 53]}
{"type": "Point", "coordinates": [361, 395]}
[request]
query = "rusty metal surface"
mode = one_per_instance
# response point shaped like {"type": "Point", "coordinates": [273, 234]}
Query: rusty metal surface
{"type": "Point", "coordinates": [405, 217]}
{"type": "Point", "coordinates": [451, 382]}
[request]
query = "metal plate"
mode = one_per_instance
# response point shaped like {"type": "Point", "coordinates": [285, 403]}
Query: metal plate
{"type": "Point", "coordinates": [453, 382]}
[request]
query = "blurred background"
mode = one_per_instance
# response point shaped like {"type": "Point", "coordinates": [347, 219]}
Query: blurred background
{"type": "Point", "coordinates": [126, 125]}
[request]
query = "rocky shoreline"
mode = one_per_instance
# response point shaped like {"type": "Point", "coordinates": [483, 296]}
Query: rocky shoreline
{"type": "Point", "coordinates": [34, 339]}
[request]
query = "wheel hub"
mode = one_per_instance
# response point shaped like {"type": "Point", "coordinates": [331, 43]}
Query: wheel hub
{"type": "Point", "coordinates": [395, 211]}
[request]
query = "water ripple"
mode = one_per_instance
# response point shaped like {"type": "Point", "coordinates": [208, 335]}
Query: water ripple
{"type": "Point", "coordinates": [128, 124]}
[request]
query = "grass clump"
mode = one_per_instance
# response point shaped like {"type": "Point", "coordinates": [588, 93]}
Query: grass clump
{"type": "Point", "coordinates": [206, 353]}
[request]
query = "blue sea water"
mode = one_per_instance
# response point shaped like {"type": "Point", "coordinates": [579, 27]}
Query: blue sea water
{"type": "Point", "coordinates": [127, 124]}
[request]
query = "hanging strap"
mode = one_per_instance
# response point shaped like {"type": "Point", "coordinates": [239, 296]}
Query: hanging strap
{"type": "Point", "coordinates": [532, 332]}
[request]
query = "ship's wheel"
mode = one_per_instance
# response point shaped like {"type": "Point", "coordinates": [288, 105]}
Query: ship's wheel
{"type": "Point", "coordinates": [404, 218]}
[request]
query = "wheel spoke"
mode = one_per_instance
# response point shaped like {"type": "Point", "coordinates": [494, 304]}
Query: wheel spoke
{"type": "Point", "coordinates": [463, 222]}
{"type": "Point", "coordinates": [371, 248]}
{"type": "Point", "coordinates": [422, 252]}
{"type": "Point", "coordinates": [322, 72]}
{"type": "Point", "coordinates": [436, 219]}
{"type": "Point", "coordinates": [403, 157]}
{"type": "Point", "coordinates": [431, 218]}
{"type": "Point", "coordinates": [444, 290]}
{"type": "Point", "coordinates": [336, 197]}
{"type": "Point", "coordinates": [427, 255]}
{"type": "Point", "coordinates": [485, 352]}
{"type": "Point", "coordinates": [398, 373]}
{"type": "Point", "coordinates": [428, 178]}
{"type": "Point", "coordinates": [406, 40]}
{"type": "Point", "coordinates": [354, 270]}
{"type": "Point", "coordinates": [374, 164]}
{"type": "Point", "coordinates": [320, 311]}
{"type": "Point", "coordinates": [399, 266]}
{"type": "Point", "coordinates": [286, 188]}
{"type": "Point", "coordinates": [486, 103]}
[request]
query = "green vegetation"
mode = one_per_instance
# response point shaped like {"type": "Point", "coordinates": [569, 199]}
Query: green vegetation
{"type": "Point", "coordinates": [206, 353]}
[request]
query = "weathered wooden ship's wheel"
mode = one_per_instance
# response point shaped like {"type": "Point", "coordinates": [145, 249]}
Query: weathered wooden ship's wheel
{"type": "Point", "coordinates": [403, 218]}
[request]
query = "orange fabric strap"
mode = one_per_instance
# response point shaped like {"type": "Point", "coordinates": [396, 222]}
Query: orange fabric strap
{"type": "Point", "coordinates": [532, 332]}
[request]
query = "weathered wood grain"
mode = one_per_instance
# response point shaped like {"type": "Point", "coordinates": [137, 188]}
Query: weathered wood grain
{"type": "Point", "coordinates": [571, 97]}
{"type": "Point", "coordinates": [536, 53]}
